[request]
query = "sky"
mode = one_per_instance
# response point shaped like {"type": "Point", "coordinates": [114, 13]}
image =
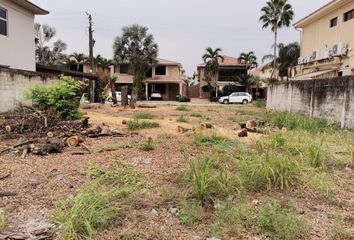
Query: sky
{"type": "Point", "coordinates": [183, 29]}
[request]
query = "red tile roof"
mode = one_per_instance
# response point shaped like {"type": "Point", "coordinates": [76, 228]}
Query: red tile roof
{"type": "Point", "coordinates": [228, 61]}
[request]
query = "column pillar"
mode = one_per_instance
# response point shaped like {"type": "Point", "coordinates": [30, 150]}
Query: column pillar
{"type": "Point", "coordinates": [147, 91]}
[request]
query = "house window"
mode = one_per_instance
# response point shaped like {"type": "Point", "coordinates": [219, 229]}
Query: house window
{"type": "Point", "coordinates": [3, 22]}
{"type": "Point", "coordinates": [348, 15]}
{"type": "Point", "coordinates": [334, 22]}
{"type": "Point", "coordinates": [160, 70]}
{"type": "Point", "coordinates": [124, 68]}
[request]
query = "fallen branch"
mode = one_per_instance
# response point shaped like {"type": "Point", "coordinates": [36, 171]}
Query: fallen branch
{"type": "Point", "coordinates": [7, 194]}
{"type": "Point", "coordinates": [18, 145]}
{"type": "Point", "coordinates": [5, 176]}
{"type": "Point", "coordinates": [147, 106]}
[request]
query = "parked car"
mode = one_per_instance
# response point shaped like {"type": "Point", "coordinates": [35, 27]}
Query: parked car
{"type": "Point", "coordinates": [156, 96]}
{"type": "Point", "coordinates": [236, 97]}
{"type": "Point", "coordinates": [119, 97]}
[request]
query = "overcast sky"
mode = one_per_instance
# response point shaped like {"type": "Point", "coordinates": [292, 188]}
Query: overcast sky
{"type": "Point", "coordinates": [182, 28]}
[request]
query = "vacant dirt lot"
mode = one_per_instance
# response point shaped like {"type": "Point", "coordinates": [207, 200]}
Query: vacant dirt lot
{"type": "Point", "coordinates": [172, 203]}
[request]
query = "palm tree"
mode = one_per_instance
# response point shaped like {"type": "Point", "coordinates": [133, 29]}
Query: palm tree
{"type": "Point", "coordinates": [276, 14]}
{"type": "Point", "coordinates": [288, 56]}
{"type": "Point", "coordinates": [211, 59]}
{"type": "Point", "coordinates": [80, 58]}
{"type": "Point", "coordinates": [249, 59]}
{"type": "Point", "coordinates": [138, 47]}
{"type": "Point", "coordinates": [44, 54]}
{"type": "Point", "coordinates": [104, 64]}
{"type": "Point", "coordinates": [246, 80]}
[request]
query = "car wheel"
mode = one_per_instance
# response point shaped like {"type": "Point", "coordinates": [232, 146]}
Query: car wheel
{"type": "Point", "coordinates": [245, 101]}
{"type": "Point", "coordinates": [226, 101]}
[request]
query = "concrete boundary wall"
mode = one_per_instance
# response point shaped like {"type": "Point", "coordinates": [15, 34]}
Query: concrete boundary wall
{"type": "Point", "coordinates": [13, 84]}
{"type": "Point", "coordinates": [330, 99]}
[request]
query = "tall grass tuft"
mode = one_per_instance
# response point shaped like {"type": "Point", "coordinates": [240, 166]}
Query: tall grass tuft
{"type": "Point", "coordinates": [136, 125]}
{"type": "Point", "coordinates": [278, 223]}
{"type": "Point", "coordinates": [144, 116]}
{"type": "Point", "coordinates": [183, 108]}
{"type": "Point", "coordinates": [3, 223]}
{"type": "Point", "coordinates": [183, 118]}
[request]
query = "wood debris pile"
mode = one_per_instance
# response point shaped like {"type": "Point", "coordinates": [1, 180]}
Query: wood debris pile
{"type": "Point", "coordinates": [42, 133]}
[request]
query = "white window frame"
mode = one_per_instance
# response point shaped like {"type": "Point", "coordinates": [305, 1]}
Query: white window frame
{"type": "Point", "coordinates": [6, 21]}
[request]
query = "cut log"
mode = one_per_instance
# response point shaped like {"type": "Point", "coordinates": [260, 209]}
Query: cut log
{"type": "Point", "coordinates": [242, 125]}
{"type": "Point", "coordinates": [207, 125]}
{"type": "Point", "coordinates": [48, 148]}
{"type": "Point", "coordinates": [18, 145]}
{"type": "Point", "coordinates": [72, 141]}
{"type": "Point", "coordinates": [24, 152]}
{"type": "Point", "coordinates": [124, 122]}
{"type": "Point", "coordinates": [147, 106]}
{"type": "Point", "coordinates": [50, 134]}
{"type": "Point", "coordinates": [251, 124]}
{"type": "Point", "coordinates": [243, 133]}
{"type": "Point", "coordinates": [184, 130]}
{"type": "Point", "coordinates": [7, 194]}
{"type": "Point", "coordinates": [257, 130]}
{"type": "Point", "coordinates": [106, 130]}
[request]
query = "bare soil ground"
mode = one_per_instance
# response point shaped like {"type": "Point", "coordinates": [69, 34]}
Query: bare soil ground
{"type": "Point", "coordinates": [39, 181]}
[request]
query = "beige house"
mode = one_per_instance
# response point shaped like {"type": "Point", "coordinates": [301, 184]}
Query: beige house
{"type": "Point", "coordinates": [17, 47]}
{"type": "Point", "coordinates": [228, 69]}
{"type": "Point", "coordinates": [165, 77]}
{"type": "Point", "coordinates": [327, 42]}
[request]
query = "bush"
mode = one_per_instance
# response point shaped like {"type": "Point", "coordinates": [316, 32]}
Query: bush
{"type": "Point", "coordinates": [136, 125]}
{"type": "Point", "coordinates": [62, 96]}
{"type": "Point", "coordinates": [147, 146]}
{"type": "Point", "coordinates": [182, 108]}
{"type": "Point", "coordinates": [278, 223]}
{"type": "Point", "coordinates": [192, 213]}
{"type": "Point", "coordinates": [184, 99]}
{"type": "Point", "coordinates": [144, 116]}
{"type": "Point", "coordinates": [183, 118]}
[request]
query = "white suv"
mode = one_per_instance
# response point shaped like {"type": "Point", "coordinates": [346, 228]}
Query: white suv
{"type": "Point", "coordinates": [236, 97]}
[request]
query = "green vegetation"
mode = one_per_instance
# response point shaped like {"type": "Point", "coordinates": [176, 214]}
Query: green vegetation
{"type": "Point", "coordinates": [3, 222]}
{"type": "Point", "coordinates": [192, 213]}
{"type": "Point", "coordinates": [102, 200]}
{"type": "Point", "coordinates": [63, 96]}
{"type": "Point", "coordinates": [260, 103]}
{"type": "Point", "coordinates": [145, 116]}
{"type": "Point", "coordinates": [341, 228]}
{"type": "Point", "coordinates": [278, 223]}
{"type": "Point", "coordinates": [183, 108]}
{"type": "Point", "coordinates": [183, 118]}
{"type": "Point", "coordinates": [137, 125]}
{"type": "Point", "coordinates": [214, 140]}
{"type": "Point", "coordinates": [147, 146]}
{"type": "Point", "coordinates": [198, 115]}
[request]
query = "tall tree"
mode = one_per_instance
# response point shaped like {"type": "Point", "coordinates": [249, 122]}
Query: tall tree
{"type": "Point", "coordinates": [138, 47]}
{"type": "Point", "coordinates": [249, 59]}
{"type": "Point", "coordinates": [211, 58]}
{"type": "Point", "coordinates": [80, 58]}
{"type": "Point", "coordinates": [276, 14]}
{"type": "Point", "coordinates": [104, 64]}
{"type": "Point", "coordinates": [288, 56]}
{"type": "Point", "coordinates": [46, 55]}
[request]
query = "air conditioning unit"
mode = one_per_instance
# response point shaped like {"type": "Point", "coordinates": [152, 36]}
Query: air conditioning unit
{"type": "Point", "coordinates": [313, 56]}
{"type": "Point", "coordinates": [306, 60]}
{"type": "Point", "coordinates": [326, 54]}
{"type": "Point", "coordinates": [339, 49]}
{"type": "Point", "coordinates": [319, 55]}
{"type": "Point", "coordinates": [300, 61]}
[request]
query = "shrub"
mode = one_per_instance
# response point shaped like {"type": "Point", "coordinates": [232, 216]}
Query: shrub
{"type": "Point", "coordinates": [144, 116]}
{"type": "Point", "coordinates": [62, 96]}
{"type": "Point", "coordinates": [340, 229]}
{"type": "Point", "coordinates": [147, 146]}
{"type": "Point", "coordinates": [196, 115]}
{"type": "Point", "coordinates": [261, 103]}
{"type": "Point", "coordinates": [183, 118]}
{"type": "Point", "coordinates": [278, 223]}
{"type": "Point", "coordinates": [184, 99]}
{"type": "Point", "coordinates": [136, 125]}
{"type": "Point", "coordinates": [182, 108]}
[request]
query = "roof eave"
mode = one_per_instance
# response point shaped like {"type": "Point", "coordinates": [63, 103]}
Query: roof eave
{"type": "Point", "coordinates": [36, 10]}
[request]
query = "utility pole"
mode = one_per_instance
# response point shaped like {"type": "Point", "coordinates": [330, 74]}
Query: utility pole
{"type": "Point", "coordinates": [92, 65]}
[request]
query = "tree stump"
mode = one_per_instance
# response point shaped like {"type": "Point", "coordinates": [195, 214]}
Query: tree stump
{"type": "Point", "coordinates": [72, 141]}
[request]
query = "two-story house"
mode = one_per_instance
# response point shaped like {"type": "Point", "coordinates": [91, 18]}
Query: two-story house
{"type": "Point", "coordinates": [165, 77]}
{"type": "Point", "coordinates": [17, 46]}
{"type": "Point", "coordinates": [327, 42]}
{"type": "Point", "coordinates": [228, 70]}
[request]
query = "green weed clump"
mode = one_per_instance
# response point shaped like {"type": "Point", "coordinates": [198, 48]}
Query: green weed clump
{"type": "Point", "coordinates": [191, 213]}
{"type": "Point", "coordinates": [137, 125]}
{"type": "Point", "coordinates": [183, 118]}
{"type": "Point", "coordinates": [214, 140]}
{"type": "Point", "coordinates": [278, 223]}
{"type": "Point", "coordinates": [340, 229]}
{"type": "Point", "coordinates": [63, 96]}
{"type": "Point", "coordinates": [300, 122]}
{"type": "Point", "coordinates": [3, 223]}
{"type": "Point", "coordinates": [102, 200]}
{"type": "Point", "coordinates": [147, 146]}
{"type": "Point", "coordinates": [183, 108]}
{"type": "Point", "coordinates": [233, 219]}
{"type": "Point", "coordinates": [145, 116]}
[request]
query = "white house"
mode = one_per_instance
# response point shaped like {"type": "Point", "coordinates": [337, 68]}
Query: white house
{"type": "Point", "coordinates": [17, 46]}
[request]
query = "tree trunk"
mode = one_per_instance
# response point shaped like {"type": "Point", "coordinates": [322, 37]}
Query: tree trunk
{"type": "Point", "coordinates": [113, 90]}
{"type": "Point", "coordinates": [134, 97]}
{"type": "Point", "coordinates": [124, 100]}
{"type": "Point", "coordinates": [275, 53]}
{"type": "Point", "coordinates": [216, 87]}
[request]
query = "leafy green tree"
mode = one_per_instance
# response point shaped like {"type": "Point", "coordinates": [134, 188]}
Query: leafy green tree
{"type": "Point", "coordinates": [80, 58]}
{"type": "Point", "coordinates": [249, 58]}
{"type": "Point", "coordinates": [246, 80]}
{"type": "Point", "coordinates": [211, 58]}
{"type": "Point", "coordinates": [288, 56]}
{"type": "Point", "coordinates": [44, 34]}
{"type": "Point", "coordinates": [138, 47]}
{"type": "Point", "coordinates": [276, 14]}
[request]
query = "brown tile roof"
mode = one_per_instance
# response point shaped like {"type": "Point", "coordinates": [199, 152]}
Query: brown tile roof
{"type": "Point", "coordinates": [228, 61]}
{"type": "Point", "coordinates": [167, 62]}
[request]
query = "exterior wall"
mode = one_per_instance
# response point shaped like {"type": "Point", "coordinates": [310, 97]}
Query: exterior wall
{"type": "Point", "coordinates": [330, 99]}
{"type": "Point", "coordinates": [318, 34]}
{"type": "Point", "coordinates": [17, 50]}
{"type": "Point", "coordinates": [13, 84]}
